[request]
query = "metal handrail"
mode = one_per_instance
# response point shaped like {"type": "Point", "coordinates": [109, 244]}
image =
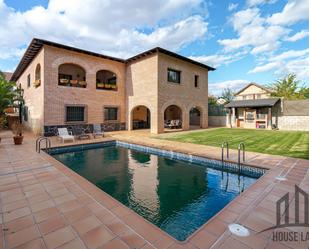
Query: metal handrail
{"type": "Point", "coordinates": [241, 146]}
{"type": "Point", "coordinates": [222, 150]}
{"type": "Point", "coordinates": [38, 143]}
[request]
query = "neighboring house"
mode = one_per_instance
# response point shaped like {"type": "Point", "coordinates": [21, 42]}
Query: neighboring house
{"type": "Point", "coordinates": [253, 107]}
{"type": "Point", "coordinates": [66, 86]}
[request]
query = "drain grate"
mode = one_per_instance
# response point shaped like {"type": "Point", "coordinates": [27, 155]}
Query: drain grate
{"type": "Point", "coordinates": [239, 230]}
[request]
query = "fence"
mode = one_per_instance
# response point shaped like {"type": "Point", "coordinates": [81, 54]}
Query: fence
{"type": "Point", "coordinates": [216, 110]}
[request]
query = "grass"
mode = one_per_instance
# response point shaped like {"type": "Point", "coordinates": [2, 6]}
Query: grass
{"type": "Point", "coordinates": [285, 143]}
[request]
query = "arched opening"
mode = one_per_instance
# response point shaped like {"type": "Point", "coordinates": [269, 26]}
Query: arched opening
{"type": "Point", "coordinates": [37, 76]}
{"type": "Point", "coordinates": [195, 118]}
{"type": "Point", "coordinates": [140, 118]}
{"type": "Point", "coordinates": [72, 75]}
{"type": "Point", "coordinates": [173, 117]}
{"type": "Point", "coordinates": [106, 80]}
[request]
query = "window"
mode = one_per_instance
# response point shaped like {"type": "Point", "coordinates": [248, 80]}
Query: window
{"type": "Point", "coordinates": [75, 113]}
{"type": "Point", "coordinates": [244, 97]}
{"type": "Point", "coordinates": [37, 76]}
{"type": "Point", "coordinates": [106, 80]}
{"type": "Point", "coordinates": [173, 76]}
{"type": "Point", "coordinates": [196, 81]}
{"type": "Point", "coordinates": [110, 113]}
{"type": "Point", "coordinates": [28, 81]}
{"type": "Point", "coordinates": [258, 96]}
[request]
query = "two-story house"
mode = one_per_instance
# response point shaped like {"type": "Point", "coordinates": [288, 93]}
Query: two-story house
{"type": "Point", "coordinates": [253, 107]}
{"type": "Point", "coordinates": [66, 86]}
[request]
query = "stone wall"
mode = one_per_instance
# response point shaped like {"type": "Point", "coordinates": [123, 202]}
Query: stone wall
{"type": "Point", "coordinates": [33, 95]}
{"type": "Point", "coordinates": [217, 121]}
{"type": "Point", "coordinates": [297, 123]}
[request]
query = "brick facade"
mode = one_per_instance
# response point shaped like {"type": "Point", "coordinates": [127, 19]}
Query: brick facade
{"type": "Point", "coordinates": [141, 82]}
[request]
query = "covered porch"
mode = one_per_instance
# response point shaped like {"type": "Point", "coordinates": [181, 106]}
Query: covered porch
{"type": "Point", "coordinates": [253, 114]}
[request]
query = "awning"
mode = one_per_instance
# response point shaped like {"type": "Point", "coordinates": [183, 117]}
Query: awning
{"type": "Point", "coordinates": [253, 103]}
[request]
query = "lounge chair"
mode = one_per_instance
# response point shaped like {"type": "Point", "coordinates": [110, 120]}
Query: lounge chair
{"type": "Point", "coordinates": [97, 130]}
{"type": "Point", "coordinates": [64, 135]}
{"type": "Point", "coordinates": [177, 124]}
{"type": "Point", "coordinates": [80, 132]}
{"type": "Point", "coordinates": [172, 124]}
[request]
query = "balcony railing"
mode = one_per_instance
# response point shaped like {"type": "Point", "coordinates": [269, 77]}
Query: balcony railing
{"type": "Point", "coordinates": [73, 83]}
{"type": "Point", "coordinates": [107, 86]}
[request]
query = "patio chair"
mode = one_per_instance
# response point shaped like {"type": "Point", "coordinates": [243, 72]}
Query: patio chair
{"type": "Point", "coordinates": [80, 133]}
{"type": "Point", "coordinates": [64, 135]}
{"type": "Point", "coordinates": [97, 130]}
{"type": "Point", "coordinates": [177, 124]}
{"type": "Point", "coordinates": [172, 124]}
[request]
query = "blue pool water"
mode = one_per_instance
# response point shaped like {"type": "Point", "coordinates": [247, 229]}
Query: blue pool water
{"type": "Point", "coordinates": [178, 196]}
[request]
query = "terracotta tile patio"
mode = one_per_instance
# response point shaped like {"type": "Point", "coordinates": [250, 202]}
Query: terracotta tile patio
{"type": "Point", "coordinates": [46, 205]}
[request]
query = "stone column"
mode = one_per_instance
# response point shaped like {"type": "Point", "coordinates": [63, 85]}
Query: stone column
{"type": "Point", "coordinates": [233, 119]}
{"type": "Point", "coordinates": [269, 118]}
{"type": "Point", "coordinates": [185, 120]}
{"type": "Point", "coordinates": [228, 118]}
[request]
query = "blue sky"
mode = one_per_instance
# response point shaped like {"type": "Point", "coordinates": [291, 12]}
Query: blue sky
{"type": "Point", "coordinates": [249, 40]}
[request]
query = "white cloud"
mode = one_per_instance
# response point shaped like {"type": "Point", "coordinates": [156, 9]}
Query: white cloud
{"type": "Point", "coordinates": [299, 66]}
{"type": "Point", "coordinates": [217, 60]}
{"type": "Point", "coordinates": [294, 11]}
{"type": "Point", "coordinates": [258, 2]}
{"type": "Point", "coordinates": [264, 68]}
{"type": "Point", "coordinates": [254, 32]}
{"type": "Point", "coordinates": [232, 6]}
{"type": "Point", "coordinates": [216, 88]}
{"type": "Point", "coordinates": [292, 61]}
{"type": "Point", "coordinates": [290, 54]}
{"type": "Point", "coordinates": [298, 36]}
{"type": "Point", "coordinates": [120, 28]}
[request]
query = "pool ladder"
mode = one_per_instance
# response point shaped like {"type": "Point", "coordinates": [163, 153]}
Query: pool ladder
{"type": "Point", "coordinates": [241, 147]}
{"type": "Point", "coordinates": [38, 143]}
{"type": "Point", "coordinates": [225, 143]}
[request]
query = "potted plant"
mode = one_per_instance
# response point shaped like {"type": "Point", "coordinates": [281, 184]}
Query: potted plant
{"type": "Point", "coordinates": [37, 83]}
{"type": "Point", "coordinates": [74, 82]}
{"type": "Point", "coordinates": [9, 96]}
{"type": "Point", "coordinates": [83, 83]}
{"type": "Point", "coordinates": [18, 133]}
{"type": "Point", "coordinates": [64, 81]}
{"type": "Point", "coordinates": [100, 85]}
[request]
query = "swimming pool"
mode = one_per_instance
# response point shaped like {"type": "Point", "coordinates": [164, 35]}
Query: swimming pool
{"type": "Point", "coordinates": [176, 192]}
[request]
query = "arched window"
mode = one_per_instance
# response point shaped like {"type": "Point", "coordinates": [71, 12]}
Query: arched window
{"type": "Point", "coordinates": [37, 78]}
{"type": "Point", "coordinates": [72, 75]}
{"type": "Point", "coordinates": [173, 117]}
{"type": "Point", "coordinates": [106, 80]}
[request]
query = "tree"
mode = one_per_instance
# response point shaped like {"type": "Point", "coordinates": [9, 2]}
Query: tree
{"type": "Point", "coordinates": [304, 93]}
{"type": "Point", "coordinates": [10, 95]}
{"type": "Point", "coordinates": [228, 95]}
{"type": "Point", "coordinates": [289, 88]}
{"type": "Point", "coordinates": [212, 100]}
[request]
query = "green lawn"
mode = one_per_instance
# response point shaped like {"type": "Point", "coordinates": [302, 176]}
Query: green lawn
{"type": "Point", "coordinates": [285, 143]}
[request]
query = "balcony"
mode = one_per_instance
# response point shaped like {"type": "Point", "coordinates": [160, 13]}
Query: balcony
{"type": "Point", "coordinates": [106, 80]}
{"type": "Point", "coordinates": [72, 75]}
{"type": "Point", "coordinates": [72, 83]}
{"type": "Point", "coordinates": [106, 86]}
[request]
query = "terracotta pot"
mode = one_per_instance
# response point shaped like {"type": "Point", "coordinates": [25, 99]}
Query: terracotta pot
{"type": "Point", "coordinates": [18, 140]}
